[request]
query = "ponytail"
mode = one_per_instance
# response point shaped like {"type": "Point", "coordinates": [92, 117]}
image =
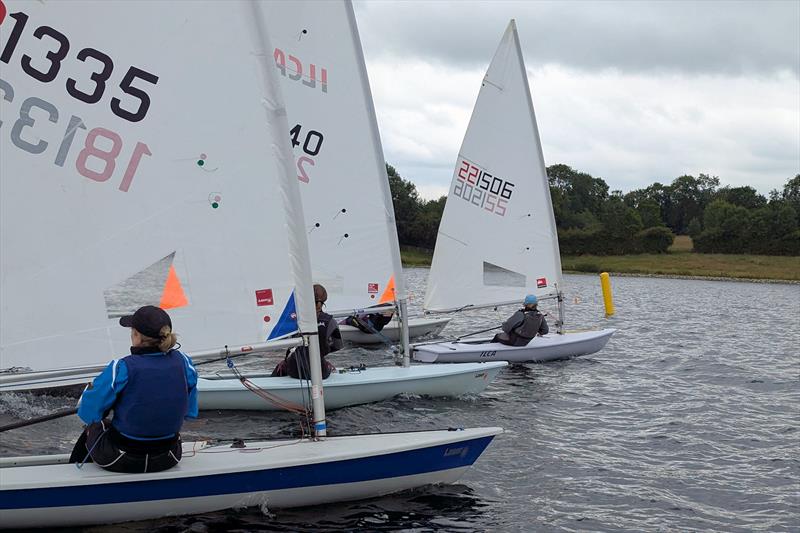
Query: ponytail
{"type": "Point", "coordinates": [166, 341]}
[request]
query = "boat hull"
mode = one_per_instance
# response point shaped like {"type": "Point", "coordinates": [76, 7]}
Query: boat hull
{"type": "Point", "coordinates": [353, 387]}
{"type": "Point", "coordinates": [271, 474]}
{"type": "Point", "coordinates": [417, 327]}
{"type": "Point", "coordinates": [551, 347]}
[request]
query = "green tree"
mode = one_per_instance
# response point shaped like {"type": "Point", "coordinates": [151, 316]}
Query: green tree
{"type": "Point", "coordinates": [650, 213]}
{"type": "Point", "coordinates": [726, 226]}
{"type": "Point", "coordinates": [406, 205]}
{"type": "Point", "coordinates": [695, 228]}
{"type": "Point", "coordinates": [655, 240]}
{"type": "Point", "coordinates": [658, 193]}
{"type": "Point", "coordinates": [689, 197]}
{"type": "Point", "coordinates": [620, 226]}
{"type": "Point", "coordinates": [791, 195]}
{"type": "Point", "coordinates": [575, 192]}
{"type": "Point", "coordinates": [744, 196]}
{"type": "Point", "coordinates": [759, 231]}
{"type": "Point", "coordinates": [426, 226]}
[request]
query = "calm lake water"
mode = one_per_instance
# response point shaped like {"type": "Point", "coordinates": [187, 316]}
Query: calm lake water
{"type": "Point", "coordinates": [688, 420]}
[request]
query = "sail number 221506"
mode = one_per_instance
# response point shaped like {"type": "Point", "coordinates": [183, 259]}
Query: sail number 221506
{"type": "Point", "coordinates": [481, 189]}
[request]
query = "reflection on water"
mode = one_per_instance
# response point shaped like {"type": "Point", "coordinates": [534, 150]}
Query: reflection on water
{"type": "Point", "coordinates": [687, 420]}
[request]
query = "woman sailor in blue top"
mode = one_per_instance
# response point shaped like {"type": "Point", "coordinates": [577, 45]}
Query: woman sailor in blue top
{"type": "Point", "coordinates": [150, 391]}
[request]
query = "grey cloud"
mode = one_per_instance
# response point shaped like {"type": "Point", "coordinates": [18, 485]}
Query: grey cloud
{"type": "Point", "coordinates": [711, 37]}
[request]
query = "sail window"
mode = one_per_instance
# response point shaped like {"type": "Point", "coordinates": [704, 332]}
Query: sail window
{"type": "Point", "coordinates": [498, 276]}
{"type": "Point", "coordinates": [143, 288]}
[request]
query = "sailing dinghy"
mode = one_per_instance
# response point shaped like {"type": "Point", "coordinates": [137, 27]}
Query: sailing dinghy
{"type": "Point", "coordinates": [497, 240]}
{"type": "Point", "coordinates": [417, 327]}
{"type": "Point", "coordinates": [102, 142]}
{"type": "Point", "coordinates": [350, 222]}
{"type": "Point", "coordinates": [340, 163]}
{"type": "Point", "coordinates": [346, 264]}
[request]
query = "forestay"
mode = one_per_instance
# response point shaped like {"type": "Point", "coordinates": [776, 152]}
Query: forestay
{"type": "Point", "coordinates": [497, 240]}
{"type": "Point", "coordinates": [127, 163]}
{"type": "Point", "coordinates": [339, 159]}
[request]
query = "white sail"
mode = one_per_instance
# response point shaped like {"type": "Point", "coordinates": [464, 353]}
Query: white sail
{"type": "Point", "coordinates": [216, 87]}
{"type": "Point", "coordinates": [123, 155]}
{"type": "Point", "coordinates": [497, 240]}
{"type": "Point", "coordinates": [338, 155]}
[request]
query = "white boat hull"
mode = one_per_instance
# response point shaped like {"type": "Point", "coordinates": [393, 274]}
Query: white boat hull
{"type": "Point", "coordinates": [353, 387]}
{"type": "Point", "coordinates": [551, 347]}
{"type": "Point", "coordinates": [417, 327]}
{"type": "Point", "coordinates": [44, 381]}
{"type": "Point", "coordinates": [275, 475]}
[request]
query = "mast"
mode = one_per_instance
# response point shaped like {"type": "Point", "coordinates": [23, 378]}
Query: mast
{"type": "Point", "coordinates": [293, 209]}
{"type": "Point", "coordinates": [546, 192]}
{"type": "Point", "coordinates": [391, 225]}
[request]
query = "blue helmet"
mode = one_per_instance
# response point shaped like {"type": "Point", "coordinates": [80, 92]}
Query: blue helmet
{"type": "Point", "coordinates": [531, 299]}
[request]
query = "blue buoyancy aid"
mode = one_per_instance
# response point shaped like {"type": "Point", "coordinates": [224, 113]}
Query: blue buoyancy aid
{"type": "Point", "coordinates": [155, 400]}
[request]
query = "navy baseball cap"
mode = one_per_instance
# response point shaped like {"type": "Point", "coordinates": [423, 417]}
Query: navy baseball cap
{"type": "Point", "coordinates": [147, 320]}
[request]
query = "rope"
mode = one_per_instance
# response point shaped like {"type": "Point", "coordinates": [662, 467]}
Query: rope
{"type": "Point", "coordinates": [303, 410]}
{"type": "Point", "coordinates": [261, 393]}
{"type": "Point", "coordinates": [90, 450]}
{"type": "Point", "coordinates": [386, 340]}
{"type": "Point", "coordinates": [479, 331]}
{"type": "Point", "coordinates": [294, 442]}
{"type": "Point", "coordinates": [307, 414]}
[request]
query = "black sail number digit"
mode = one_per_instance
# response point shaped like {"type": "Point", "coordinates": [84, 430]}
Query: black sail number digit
{"type": "Point", "coordinates": [13, 39]}
{"type": "Point", "coordinates": [127, 88]}
{"type": "Point", "coordinates": [317, 142]}
{"type": "Point", "coordinates": [55, 56]}
{"type": "Point", "coordinates": [99, 78]}
{"type": "Point", "coordinates": [130, 84]}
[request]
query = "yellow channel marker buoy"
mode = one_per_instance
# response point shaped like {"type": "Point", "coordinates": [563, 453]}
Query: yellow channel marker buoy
{"type": "Point", "coordinates": [608, 299]}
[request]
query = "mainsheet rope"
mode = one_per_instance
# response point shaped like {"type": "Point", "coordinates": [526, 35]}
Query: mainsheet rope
{"type": "Point", "coordinates": [258, 391]}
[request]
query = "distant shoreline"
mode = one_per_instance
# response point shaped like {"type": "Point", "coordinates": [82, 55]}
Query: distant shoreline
{"type": "Point", "coordinates": [673, 265]}
{"type": "Point", "coordinates": [664, 276]}
{"type": "Point", "coordinates": [692, 277]}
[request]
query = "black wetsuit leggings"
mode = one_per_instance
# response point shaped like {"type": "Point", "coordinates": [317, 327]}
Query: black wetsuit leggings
{"type": "Point", "coordinates": [102, 444]}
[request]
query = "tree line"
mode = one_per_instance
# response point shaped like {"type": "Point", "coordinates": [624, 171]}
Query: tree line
{"type": "Point", "coordinates": [593, 220]}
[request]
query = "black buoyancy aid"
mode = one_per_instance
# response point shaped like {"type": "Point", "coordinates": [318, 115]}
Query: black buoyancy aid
{"type": "Point", "coordinates": [297, 363]}
{"type": "Point", "coordinates": [529, 327]}
{"type": "Point", "coordinates": [326, 325]}
{"type": "Point", "coordinates": [155, 400]}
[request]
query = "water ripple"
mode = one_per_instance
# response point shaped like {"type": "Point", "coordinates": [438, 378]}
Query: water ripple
{"type": "Point", "coordinates": [688, 420]}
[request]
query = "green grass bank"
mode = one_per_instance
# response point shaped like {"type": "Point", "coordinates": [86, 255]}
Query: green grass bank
{"type": "Point", "coordinates": [679, 262]}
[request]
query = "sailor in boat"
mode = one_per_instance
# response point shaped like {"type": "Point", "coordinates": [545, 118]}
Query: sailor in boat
{"type": "Point", "coordinates": [150, 391]}
{"type": "Point", "coordinates": [523, 325]}
{"type": "Point", "coordinates": [296, 363]}
{"type": "Point", "coordinates": [369, 322]}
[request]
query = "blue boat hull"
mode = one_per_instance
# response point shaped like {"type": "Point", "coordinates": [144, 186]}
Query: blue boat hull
{"type": "Point", "coordinates": [93, 498]}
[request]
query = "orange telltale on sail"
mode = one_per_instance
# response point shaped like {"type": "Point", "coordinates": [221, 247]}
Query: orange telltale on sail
{"type": "Point", "coordinates": [388, 293]}
{"type": "Point", "coordinates": [173, 295]}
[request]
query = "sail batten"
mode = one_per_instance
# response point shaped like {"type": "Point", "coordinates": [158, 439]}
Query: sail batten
{"type": "Point", "coordinates": [497, 240]}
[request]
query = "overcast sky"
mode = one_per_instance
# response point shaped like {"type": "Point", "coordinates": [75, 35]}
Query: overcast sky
{"type": "Point", "coordinates": [633, 92]}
